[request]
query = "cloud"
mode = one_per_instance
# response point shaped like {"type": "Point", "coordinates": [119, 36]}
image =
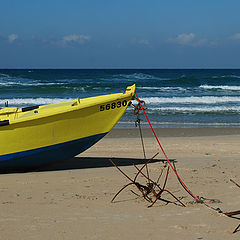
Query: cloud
{"type": "Point", "coordinates": [74, 38]}
{"type": "Point", "coordinates": [183, 39]}
{"type": "Point", "coordinates": [201, 42]}
{"type": "Point", "coordinates": [188, 40]}
{"type": "Point", "coordinates": [12, 37]}
{"type": "Point", "coordinates": [143, 42]}
{"type": "Point", "coordinates": [236, 36]}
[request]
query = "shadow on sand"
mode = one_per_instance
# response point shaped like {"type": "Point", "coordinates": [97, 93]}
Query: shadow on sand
{"type": "Point", "coordinates": [94, 162]}
{"type": "Point", "coordinates": [86, 162]}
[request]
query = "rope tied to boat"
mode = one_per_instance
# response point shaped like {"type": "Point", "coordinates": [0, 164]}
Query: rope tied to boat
{"type": "Point", "coordinates": [197, 198]}
{"type": "Point", "coordinates": [138, 124]}
{"type": "Point", "coordinates": [138, 107]}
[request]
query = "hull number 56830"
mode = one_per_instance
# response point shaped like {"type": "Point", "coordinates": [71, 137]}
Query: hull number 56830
{"type": "Point", "coordinates": [113, 105]}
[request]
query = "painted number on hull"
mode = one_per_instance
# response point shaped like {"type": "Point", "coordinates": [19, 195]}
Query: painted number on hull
{"type": "Point", "coordinates": [113, 105]}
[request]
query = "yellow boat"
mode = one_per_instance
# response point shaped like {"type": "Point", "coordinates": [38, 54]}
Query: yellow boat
{"type": "Point", "coordinates": [35, 136]}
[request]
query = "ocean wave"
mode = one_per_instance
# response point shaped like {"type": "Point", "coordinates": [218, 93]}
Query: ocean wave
{"type": "Point", "coordinates": [230, 76]}
{"type": "Point", "coordinates": [7, 80]}
{"type": "Point", "coordinates": [4, 75]}
{"type": "Point", "coordinates": [163, 88]}
{"type": "Point", "coordinates": [192, 100]}
{"type": "Point", "coordinates": [10, 83]}
{"type": "Point", "coordinates": [140, 76]}
{"type": "Point", "coordinates": [210, 109]}
{"type": "Point", "coordinates": [226, 76]}
{"type": "Point", "coordinates": [190, 124]}
{"type": "Point", "coordinates": [223, 87]}
{"type": "Point", "coordinates": [32, 101]}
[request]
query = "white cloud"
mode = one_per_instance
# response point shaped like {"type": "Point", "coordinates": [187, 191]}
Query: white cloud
{"type": "Point", "coordinates": [188, 40]}
{"type": "Point", "coordinates": [74, 38]}
{"type": "Point", "coordinates": [183, 39]}
{"type": "Point", "coordinates": [235, 36]}
{"type": "Point", "coordinates": [200, 42]}
{"type": "Point", "coordinates": [12, 37]}
{"type": "Point", "coordinates": [143, 42]}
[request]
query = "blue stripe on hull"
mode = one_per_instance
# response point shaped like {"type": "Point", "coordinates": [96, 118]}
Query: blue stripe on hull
{"type": "Point", "coordinates": [46, 155]}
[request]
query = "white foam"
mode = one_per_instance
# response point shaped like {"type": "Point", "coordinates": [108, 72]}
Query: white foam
{"type": "Point", "coordinates": [9, 83]}
{"type": "Point", "coordinates": [216, 124]}
{"type": "Point", "coordinates": [4, 75]}
{"type": "Point", "coordinates": [191, 100]}
{"type": "Point", "coordinates": [226, 76]}
{"type": "Point", "coordinates": [140, 76]}
{"type": "Point", "coordinates": [197, 109]}
{"type": "Point", "coordinates": [164, 88]}
{"type": "Point", "coordinates": [223, 87]}
{"type": "Point", "coordinates": [32, 101]}
{"type": "Point", "coordinates": [230, 76]}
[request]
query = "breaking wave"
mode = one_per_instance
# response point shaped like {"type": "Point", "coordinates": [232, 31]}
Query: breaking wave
{"type": "Point", "coordinates": [32, 101]}
{"type": "Point", "coordinates": [222, 87]}
{"type": "Point", "coordinates": [16, 83]}
{"type": "Point", "coordinates": [163, 88]}
{"type": "Point", "coordinates": [216, 109]}
{"type": "Point", "coordinates": [192, 100]}
{"type": "Point", "coordinates": [140, 76]}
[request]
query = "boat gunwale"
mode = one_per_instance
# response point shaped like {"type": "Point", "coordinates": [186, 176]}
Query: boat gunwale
{"type": "Point", "coordinates": [71, 107]}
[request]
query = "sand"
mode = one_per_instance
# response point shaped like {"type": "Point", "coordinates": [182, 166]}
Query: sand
{"type": "Point", "coordinates": [72, 200]}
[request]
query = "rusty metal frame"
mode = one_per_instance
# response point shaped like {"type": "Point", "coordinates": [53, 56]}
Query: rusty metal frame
{"type": "Point", "coordinates": [149, 188]}
{"type": "Point", "coordinates": [231, 214]}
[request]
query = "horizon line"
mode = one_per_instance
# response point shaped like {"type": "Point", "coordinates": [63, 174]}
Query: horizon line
{"type": "Point", "coordinates": [120, 68]}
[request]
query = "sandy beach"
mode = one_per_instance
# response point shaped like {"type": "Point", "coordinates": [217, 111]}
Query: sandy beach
{"type": "Point", "coordinates": [72, 200]}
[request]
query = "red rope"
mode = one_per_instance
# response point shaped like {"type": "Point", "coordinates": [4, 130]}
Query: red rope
{"type": "Point", "coordinates": [197, 198]}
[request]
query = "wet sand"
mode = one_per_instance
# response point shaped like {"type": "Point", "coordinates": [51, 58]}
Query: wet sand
{"type": "Point", "coordinates": [72, 200]}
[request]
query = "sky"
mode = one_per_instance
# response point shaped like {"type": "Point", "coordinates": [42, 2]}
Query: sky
{"type": "Point", "coordinates": [119, 34]}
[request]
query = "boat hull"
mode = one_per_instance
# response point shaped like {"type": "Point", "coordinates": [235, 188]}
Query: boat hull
{"type": "Point", "coordinates": [40, 157]}
{"type": "Point", "coordinates": [57, 132]}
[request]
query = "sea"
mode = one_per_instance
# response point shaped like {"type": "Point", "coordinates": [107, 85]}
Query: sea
{"type": "Point", "coordinates": [184, 98]}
